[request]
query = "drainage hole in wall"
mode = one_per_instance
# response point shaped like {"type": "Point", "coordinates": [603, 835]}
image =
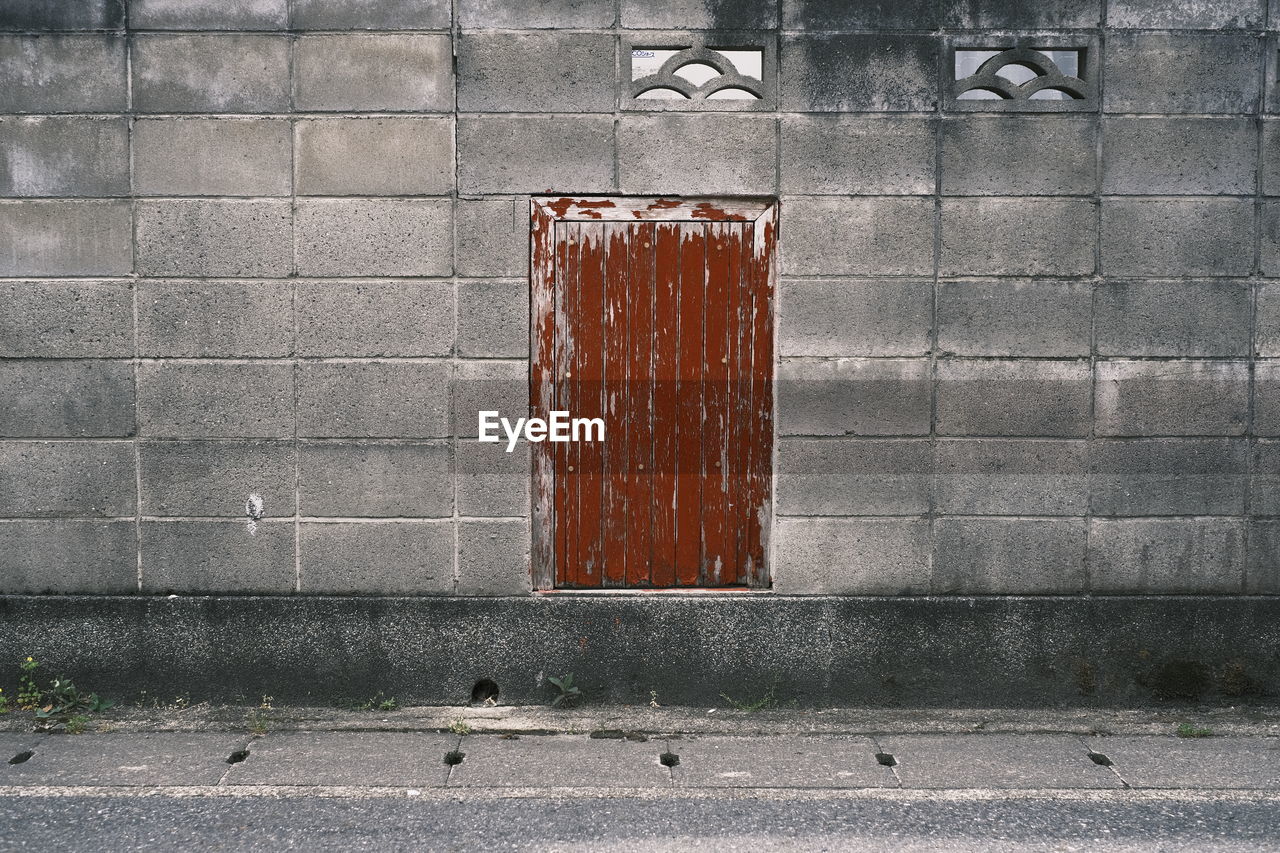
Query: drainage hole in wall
{"type": "Point", "coordinates": [886, 759]}
{"type": "Point", "coordinates": [21, 757]}
{"type": "Point", "coordinates": [454, 757]}
{"type": "Point", "coordinates": [669, 759]}
{"type": "Point", "coordinates": [1099, 758]}
{"type": "Point", "coordinates": [237, 756]}
{"type": "Point", "coordinates": [485, 692]}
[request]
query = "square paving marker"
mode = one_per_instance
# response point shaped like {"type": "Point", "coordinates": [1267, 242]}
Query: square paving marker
{"type": "Point", "coordinates": [369, 759]}
{"type": "Point", "coordinates": [560, 761]}
{"type": "Point", "coordinates": [159, 758]}
{"type": "Point", "coordinates": [1161, 761]}
{"type": "Point", "coordinates": [779, 762]}
{"type": "Point", "coordinates": [996, 761]}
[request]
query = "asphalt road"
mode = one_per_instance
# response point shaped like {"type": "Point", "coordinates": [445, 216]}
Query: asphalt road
{"type": "Point", "coordinates": [753, 822]}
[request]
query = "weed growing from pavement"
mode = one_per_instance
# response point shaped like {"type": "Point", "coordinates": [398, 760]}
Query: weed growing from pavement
{"type": "Point", "coordinates": [1192, 730]}
{"type": "Point", "coordinates": [459, 726]}
{"type": "Point", "coordinates": [61, 705]}
{"type": "Point", "coordinates": [569, 692]}
{"type": "Point", "coordinates": [747, 706]}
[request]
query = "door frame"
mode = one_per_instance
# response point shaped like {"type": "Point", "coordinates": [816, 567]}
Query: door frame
{"type": "Point", "coordinates": [544, 213]}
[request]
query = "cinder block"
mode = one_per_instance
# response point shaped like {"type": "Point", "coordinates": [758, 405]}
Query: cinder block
{"type": "Point", "coordinates": [375, 318]}
{"type": "Point", "coordinates": [1166, 556]}
{"type": "Point", "coordinates": [215, 399]}
{"type": "Point", "coordinates": [1008, 556]}
{"type": "Point", "coordinates": [63, 73]}
{"type": "Point", "coordinates": [1048, 14]}
{"type": "Point", "coordinates": [493, 237]}
{"type": "Point", "coordinates": [374, 400]}
{"type": "Point", "coordinates": [1156, 15]}
{"type": "Point", "coordinates": [1171, 398]}
{"type": "Point", "coordinates": [1010, 477]}
{"type": "Point", "coordinates": [373, 73]}
{"type": "Point", "coordinates": [839, 317]}
{"type": "Point", "coordinates": [490, 481]}
{"type": "Point", "coordinates": [697, 154]}
{"type": "Point", "coordinates": [501, 386]}
{"type": "Point", "coordinates": [209, 14]}
{"type": "Point", "coordinates": [1270, 175]}
{"type": "Point", "coordinates": [66, 398]}
{"type": "Point", "coordinates": [493, 558]}
{"type": "Point", "coordinates": [853, 477]}
{"type": "Point", "coordinates": [63, 156]}
{"type": "Point", "coordinates": [493, 319]}
{"type": "Point", "coordinates": [535, 154]}
{"type": "Point", "coordinates": [853, 73]}
{"type": "Point", "coordinates": [98, 557]}
{"type": "Point", "coordinates": [213, 238]}
{"type": "Point", "coordinates": [375, 156]}
{"type": "Point", "coordinates": [1150, 237]}
{"type": "Point", "coordinates": [1168, 477]}
{"type": "Point", "coordinates": [56, 15]}
{"type": "Point", "coordinates": [1266, 397]}
{"type": "Point", "coordinates": [1016, 236]}
{"type": "Point", "coordinates": [210, 73]}
{"type": "Point", "coordinates": [199, 156]}
{"type": "Point", "coordinates": [66, 478]}
{"type": "Point", "coordinates": [217, 478]}
{"type": "Point", "coordinates": [1014, 318]}
{"type": "Point", "coordinates": [1021, 397]}
{"type": "Point", "coordinates": [839, 155]}
{"type": "Point", "coordinates": [230, 319]}
{"type": "Point", "coordinates": [1173, 318]}
{"type": "Point", "coordinates": [536, 72]}
{"type": "Point", "coordinates": [1271, 239]}
{"type": "Point", "coordinates": [1266, 336]}
{"type": "Point", "coordinates": [218, 556]}
{"type": "Point", "coordinates": [1019, 155]}
{"type": "Point", "coordinates": [55, 238]}
{"type": "Point", "coordinates": [66, 319]}
{"type": "Point", "coordinates": [1262, 573]}
{"type": "Point", "coordinates": [697, 15]}
{"type": "Point", "coordinates": [853, 396]}
{"type": "Point", "coordinates": [383, 558]}
{"type": "Point", "coordinates": [851, 556]}
{"type": "Point", "coordinates": [1264, 478]}
{"type": "Point", "coordinates": [372, 14]}
{"type": "Point", "coordinates": [1179, 156]}
{"type": "Point", "coordinates": [371, 237]}
{"type": "Point", "coordinates": [363, 479]}
{"type": "Point", "coordinates": [858, 236]}
{"type": "Point", "coordinates": [1181, 72]}
{"type": "Point", "coordinates": [858, 15]}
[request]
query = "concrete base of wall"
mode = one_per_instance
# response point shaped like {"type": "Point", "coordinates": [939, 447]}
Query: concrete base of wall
{"type": "Point", "coordinates": [688, 649]}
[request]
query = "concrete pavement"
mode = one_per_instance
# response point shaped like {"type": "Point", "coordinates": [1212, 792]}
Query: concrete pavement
{"type": "Point", "coordinates": [415, 760]}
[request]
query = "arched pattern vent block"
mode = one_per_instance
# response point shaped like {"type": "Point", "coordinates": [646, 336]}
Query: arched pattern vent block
{"type": "Point", "coordinates": [1043, 74]}
{"type": "Point", "coordinates": [688, 71]}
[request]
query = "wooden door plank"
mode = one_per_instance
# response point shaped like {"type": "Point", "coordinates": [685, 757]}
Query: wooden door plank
{"type": "Point", "coordinates": [641, 342]}
{"type": "Point", "coordinates": [762, 397]}
{"type": "Point", "coordinates": [715, 568]}
{"type": "Point", "coordinates": [665, 371]}
{"type": "Point", "coordinates": [545, 248]}
{"type": "Point", "coordinates": [689, 403]}
{"type": "Point", "coordinates": [566, 495]}
{"type": "Point", "coordinates": [589, 378]}
{"type": "Point", "coordinates": [613, 396]}
{"type": "Point", "coordinates": [738, 440]}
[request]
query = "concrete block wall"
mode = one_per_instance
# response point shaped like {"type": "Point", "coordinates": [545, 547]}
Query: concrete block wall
{"type": "Point", "coordinates": [278, 248]}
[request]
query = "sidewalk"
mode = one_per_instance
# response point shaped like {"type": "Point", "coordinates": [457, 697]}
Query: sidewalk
{"type": "Point", "coordinates": [532, 749]}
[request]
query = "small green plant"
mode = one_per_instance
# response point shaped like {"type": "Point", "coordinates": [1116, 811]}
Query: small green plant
{"type": "Point", "coordinates": [257, 721]}
{"type": "Point", "coordinates": [4, 702]}
{"type": "Point", "coordinates": [768, 700]}
{"type": "Point", "coordinates": [459, 726]}
{"type": "Point", "coordinates": [380, 702]}
{"type": "Point", "coordinates": [569, 692]}
{"type": "Point", "coordinates": [75, 725]}
{"type": "Point", "coordinates": [1192, 730]}
{"type": "Point", "coordinates": [29, 693]}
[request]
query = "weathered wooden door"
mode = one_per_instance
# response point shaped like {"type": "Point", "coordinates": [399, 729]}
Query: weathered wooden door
{"type": "Point", "coordinates": [657, 317]}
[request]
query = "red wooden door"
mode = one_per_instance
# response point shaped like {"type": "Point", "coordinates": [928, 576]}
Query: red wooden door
{"type": "Point", "coordinates": [655, 316]}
